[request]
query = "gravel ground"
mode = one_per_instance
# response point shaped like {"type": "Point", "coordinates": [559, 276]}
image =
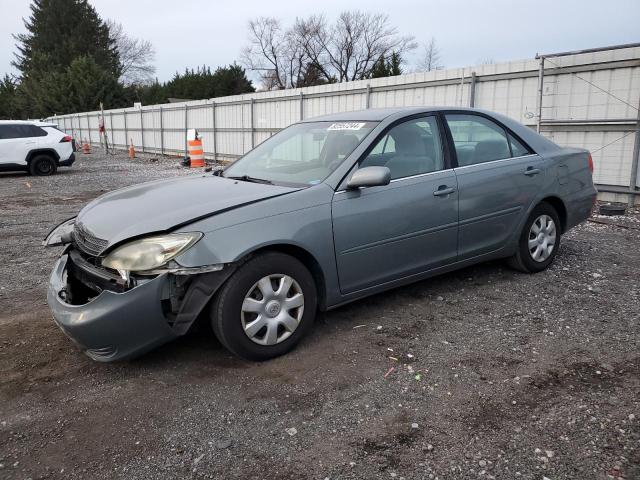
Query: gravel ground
{"type": "Point", "coordinates": [481, 373]}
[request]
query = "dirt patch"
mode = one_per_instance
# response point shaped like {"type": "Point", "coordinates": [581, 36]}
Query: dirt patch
{"type": "Point", "coordinates": [495, 374]}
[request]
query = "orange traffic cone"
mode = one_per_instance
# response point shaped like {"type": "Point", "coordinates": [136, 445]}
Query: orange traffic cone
{"type": "Point", "coordinates": [196, 153]}
{"type": "Point", "coordinates": [132, 151]}
{"type": "Point", "coordinates": [86, 148]}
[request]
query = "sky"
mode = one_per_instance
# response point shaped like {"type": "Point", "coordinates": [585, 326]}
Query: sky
{"type": "Point", "coordinates": [189, 33]}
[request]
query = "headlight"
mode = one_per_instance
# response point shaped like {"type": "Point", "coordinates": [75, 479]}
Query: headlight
{"type": "Point", "coordinates": [60, 235]}
{"type": "Point", "coordinates": [149, 253]}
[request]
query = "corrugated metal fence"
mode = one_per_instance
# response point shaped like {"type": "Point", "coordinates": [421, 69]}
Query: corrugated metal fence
{"type": "Point", "coordinates": [589, 99]}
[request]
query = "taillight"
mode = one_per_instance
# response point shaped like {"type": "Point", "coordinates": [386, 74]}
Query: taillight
{"type": "Point", "coordinates": [590, 163]}
{"type": "Point", "coordinates": [66, 138]}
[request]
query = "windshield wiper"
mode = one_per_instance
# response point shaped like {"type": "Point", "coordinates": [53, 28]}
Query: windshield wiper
{"type": "Point", "coordinates": [247, 178]}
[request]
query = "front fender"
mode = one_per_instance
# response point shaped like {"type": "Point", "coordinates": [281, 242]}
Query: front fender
{"type": "Point", "coordinates": [309, 229]}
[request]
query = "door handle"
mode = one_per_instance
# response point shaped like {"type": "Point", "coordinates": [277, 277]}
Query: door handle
{"type": "Point", "coordinates": [530, 171]}
{"type": "Point", "coordinates": [443, 190]}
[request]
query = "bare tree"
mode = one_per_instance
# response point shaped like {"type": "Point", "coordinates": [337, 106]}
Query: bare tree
{"type": "Point", "coordinates": [136, 55]}
{"type": "Point", "coordinates": [313, 52]}
{"type": "Point", "coordinates": [358, 39]}
{"type": "Point", "coordinates": [276, 54]}
{"type": "Point", "coordinates": [431, 57]}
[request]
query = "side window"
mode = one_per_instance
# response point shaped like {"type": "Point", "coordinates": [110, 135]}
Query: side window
{"type": "Point", "coordinates": [11, 131]}
{"type": "Point", "coordinates": [410, 148]}
{"type": "Point", "coordinates": [35, 131]}
{"type": "Point", "coordinates": [21, 130]}
{"type": "Point", "coordinates": [517, 148]}
{"type": "Point", "coordinates": [4, 132]}
{"type": "Point", "coordinates": [477, 139]}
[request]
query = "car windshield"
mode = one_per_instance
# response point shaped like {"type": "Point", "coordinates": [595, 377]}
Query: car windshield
{"type": "Point", "coordinates": [302, 154]}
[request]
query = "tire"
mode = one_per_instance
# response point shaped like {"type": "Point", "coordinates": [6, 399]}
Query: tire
{"type": "Point", "coordinates": [230, 316]}
{"type": "Point", "coordinates": [537, 258]}
{"type": "Point", "coordinates": [42, 166]}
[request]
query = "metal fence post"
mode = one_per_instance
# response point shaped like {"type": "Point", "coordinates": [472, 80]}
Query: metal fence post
{"type": "Point", "coordinates": [79, 127]}
{"type": "Point", "coordinates": [472, 90]}
{"type": "Point", "coordinates": [141, 130]}
{"type": "Point", "coordinates": [301, 105]}
{"type": "Point", "coordinates": [161, 134]}
{"type": "Point", "coordinates": [88, 128]}
{"type": "Point", "coordinates": [111, 131]}
{"type": "Point", "coordinates": [540, 90]}
{"type": "Point", "coordinates": [186, 128]}
{"type": "Point", "coordinates": [253, 129]}
{"type": "Point", "coordinates": [213, 114]}
{"type": "Point", "coordinates": [633, 181]}
{"type": "Point", "coordinates": [126, 130]}
{"type": "Point", "coordinates": [368, 99]}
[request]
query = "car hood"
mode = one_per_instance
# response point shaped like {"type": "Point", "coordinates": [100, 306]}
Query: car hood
{"type": "Point", "coordinates": [165, 204]}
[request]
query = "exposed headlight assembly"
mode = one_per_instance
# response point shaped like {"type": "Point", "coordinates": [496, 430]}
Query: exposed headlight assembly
{"type": "Point", "coordinates": [150, 254]}
{"type": "Point", "coordinates": [60, 235]}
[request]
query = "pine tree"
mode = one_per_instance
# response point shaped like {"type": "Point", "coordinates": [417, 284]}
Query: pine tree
{"type": "Point", "coordinates": [9, 107]}
{"type": "Point", "coordinates": [387, 67]}
{"type": "Point", "coordinates": [66, 38]}
{"type": "Point", "coordinates": [379, 68]}
{"type": "Point", "coordinates": [58, 32]}
{"type": "Point", "coordinates": [79, 88]}
{"type": "Point", "coordinates": [231, 80]}
{"type": "Point", "coordinates": [201, 83]}
{"type": "Point", "coordinates": [393, 65]}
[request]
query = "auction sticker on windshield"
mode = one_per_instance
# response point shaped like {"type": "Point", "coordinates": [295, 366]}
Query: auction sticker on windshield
{"type": "Point", "coordinates": [346, 126]}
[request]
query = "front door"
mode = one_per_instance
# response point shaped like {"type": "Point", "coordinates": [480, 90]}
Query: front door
{"type": "Point", "coordinates": [389, 232]}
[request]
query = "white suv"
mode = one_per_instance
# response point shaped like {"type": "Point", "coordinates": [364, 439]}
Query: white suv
{"type": "Point", "coordinates": [37, 147]}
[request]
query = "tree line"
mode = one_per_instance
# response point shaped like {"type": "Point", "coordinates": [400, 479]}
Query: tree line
{"type": "Point", "coordinates": [61, 71]}
{"type": "Point", "coordinates": [70, 60]}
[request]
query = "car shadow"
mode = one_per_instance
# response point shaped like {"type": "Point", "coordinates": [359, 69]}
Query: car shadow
{"type": "Point", "coordinates": [201, 346]}
{"type": "Point", "coordinates": [24, 174]}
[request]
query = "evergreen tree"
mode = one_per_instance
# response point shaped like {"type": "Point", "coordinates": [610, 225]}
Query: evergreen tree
{"type": "Point", "coordinates": [201, 83]}
{"type": "Point", "coordinates": [379, 69]}
{"type": "Point", "coordinates": [66, 38]}
{"type": "Point", "coordinates": [231, 80]}
{"type": "Point", "coordinates": [79, 88]}
{"type": "Point", "coordinates": [9, 107]}
{"type": "Point", "coordinates": [387, 67]}
{"type": "Point", "coordinates": [394, 64]}
{"type": "Point", "coordinates": [58, 32]}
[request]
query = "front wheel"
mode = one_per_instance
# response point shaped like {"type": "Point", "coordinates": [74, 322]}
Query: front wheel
{"type": "Point", "coordinates": [266, 307]}
{"type": "Point", "coordinates": [539, 241]}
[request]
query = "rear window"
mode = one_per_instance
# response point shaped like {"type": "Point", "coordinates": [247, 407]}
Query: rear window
{"type": "Point", "coordinates": [20, 130]}
{"type": "Point", "coordinates": [52, 128]}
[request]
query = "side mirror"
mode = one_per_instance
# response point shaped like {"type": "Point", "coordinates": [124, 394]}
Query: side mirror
{"type": "Point", "coordinates": [369, 177]}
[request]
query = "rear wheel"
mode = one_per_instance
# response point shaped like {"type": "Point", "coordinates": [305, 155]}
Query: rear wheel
{"type": "Point", "coordinates": [42, 166]}
{"type": "Point", "coordinates": [539, 241]}
{"type": "Point", "coordinates": [266, 307]}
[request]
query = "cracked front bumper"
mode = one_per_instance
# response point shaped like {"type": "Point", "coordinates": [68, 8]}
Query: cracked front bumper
{"type": "Point", "coordinates": [112, 326]}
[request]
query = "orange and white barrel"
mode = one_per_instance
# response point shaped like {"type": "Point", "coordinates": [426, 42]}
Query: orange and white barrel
{"type": "Point", "coordinates": [196, 153]}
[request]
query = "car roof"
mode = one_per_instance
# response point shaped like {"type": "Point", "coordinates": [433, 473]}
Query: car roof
{"type": "Point", "coordinates": [379, 114]}
{"type": "Point", "coordinates": [27, 122]}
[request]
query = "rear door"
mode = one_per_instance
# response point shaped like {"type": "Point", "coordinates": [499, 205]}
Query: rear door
{"type": "Point", "coordinates": [16, 141]}
{"type": "Point", "coordinates": [498, 179]}
{"type": "Point", "coordinates": [389, 232]}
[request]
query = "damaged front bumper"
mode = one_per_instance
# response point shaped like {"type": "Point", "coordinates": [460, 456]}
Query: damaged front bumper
{"type": "Point", "coordinates": [121, 324]}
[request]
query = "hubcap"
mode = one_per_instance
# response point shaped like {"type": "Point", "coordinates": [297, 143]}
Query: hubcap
{"type": "Point", "coordinates": [542, 238]}
{"type": "Point", "coordinates": [44, 167]}
{"type": "Point", "coordinates": [272, 309]}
